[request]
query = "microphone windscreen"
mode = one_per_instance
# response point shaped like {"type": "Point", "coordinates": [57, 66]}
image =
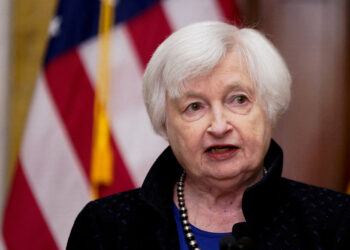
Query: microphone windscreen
{"type": "Point", "coordinates": [245, 243]}
{"type": "Point", "coordinates": [228, 242]}
{"type": "Point", "coordinates": [244, 236]}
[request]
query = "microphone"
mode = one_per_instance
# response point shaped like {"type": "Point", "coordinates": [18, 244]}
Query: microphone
{"type": "Point", "coordinates": [228, 242]}
{"type": "Point", "coordinates": [243, 242]}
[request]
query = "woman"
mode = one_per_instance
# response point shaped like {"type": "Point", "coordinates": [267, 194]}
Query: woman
{"type": "Point", "coordinates": [215, 93]}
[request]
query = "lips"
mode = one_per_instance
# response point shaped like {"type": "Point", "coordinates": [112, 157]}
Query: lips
{"type": "Point", "coordinates": [220, 149]}
{"type": "Point", "coordinates": [221, 152]}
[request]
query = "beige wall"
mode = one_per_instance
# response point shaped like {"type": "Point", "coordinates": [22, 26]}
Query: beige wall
{"type": "Point", "coordinates": [4, 88]}
{"type": "Point", "coordinates": [311, 36]}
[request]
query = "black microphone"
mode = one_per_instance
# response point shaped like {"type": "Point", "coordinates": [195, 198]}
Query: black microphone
{"type": "Point", "coordinates": [228, 242]}
{"type": "Point", "coordinates": [244, 235]}
{"type": "Point", "coordinates": [241, 238]}
{"type": "Point", "coordinates": [244, 243]}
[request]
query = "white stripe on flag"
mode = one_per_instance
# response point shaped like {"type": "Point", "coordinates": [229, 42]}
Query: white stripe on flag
{"type": "Point", "coordinates": [183, 12]}
{"type": "Point", "coordinates": [139, 146]}
{"type": "Point", "coordinates": [55, 174]}
{"type": "Point", "coordinates": [2, 243]}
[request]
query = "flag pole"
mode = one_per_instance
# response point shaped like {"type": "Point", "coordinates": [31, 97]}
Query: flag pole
{"type": "Point", "coordinates": [102, 154]}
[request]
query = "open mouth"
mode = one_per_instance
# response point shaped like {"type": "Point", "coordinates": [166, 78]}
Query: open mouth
{"type": "Point", "coordinates": [220, 149]}
{"type": "Point", "coordinates": [221, 152]}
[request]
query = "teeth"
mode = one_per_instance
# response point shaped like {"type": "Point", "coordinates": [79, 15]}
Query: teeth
{"type": "Point", "coordinates": [220, 149]}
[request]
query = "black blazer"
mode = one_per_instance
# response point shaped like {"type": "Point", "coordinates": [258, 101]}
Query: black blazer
{"type": "Point", "coordinates": [279, 213]}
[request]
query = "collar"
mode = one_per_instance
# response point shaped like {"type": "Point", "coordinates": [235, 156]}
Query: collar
{"type": "Point", "coordinates": [260, 201]}
{"type": "Point", "coordinates": [157, 188]}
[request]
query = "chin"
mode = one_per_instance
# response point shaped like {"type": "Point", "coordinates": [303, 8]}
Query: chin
{"type": "Point", "coordinates": [230, 171]}
{"type": "Point", "coordinates": [224, 172]}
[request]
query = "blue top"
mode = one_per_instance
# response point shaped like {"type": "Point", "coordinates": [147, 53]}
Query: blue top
{"type": "Point", "coordinates": [205, 240]}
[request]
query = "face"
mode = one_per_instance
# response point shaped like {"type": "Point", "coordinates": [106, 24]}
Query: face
{"type": "Point", "coordinates": [217, 128]}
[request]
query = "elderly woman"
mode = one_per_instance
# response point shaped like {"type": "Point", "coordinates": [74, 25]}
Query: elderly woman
{"type": "Point", "coordinates": [215, 93]}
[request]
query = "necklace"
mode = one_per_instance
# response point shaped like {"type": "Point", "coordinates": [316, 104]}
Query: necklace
{"type": "Point", "coordinates": [191, 242]}
{"type": "Point", "coordinates": [189, 236]}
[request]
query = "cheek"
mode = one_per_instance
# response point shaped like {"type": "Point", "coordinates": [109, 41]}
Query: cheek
{"type": "Point", "coordinates": [186, 145]}
{"type": "Point", "coordinates": [257, 132]}
{"type": "Point", "coordinates": [189, 136]}
{"type": "Point", "coordinates": [181, 135]}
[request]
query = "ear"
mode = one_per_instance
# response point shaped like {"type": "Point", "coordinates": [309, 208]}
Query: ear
{"type": "Point", "coordinates": [165, 128]}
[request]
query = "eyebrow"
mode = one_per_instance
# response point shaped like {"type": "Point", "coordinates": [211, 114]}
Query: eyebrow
{"type": "Point", "coordinates": [230, 87]}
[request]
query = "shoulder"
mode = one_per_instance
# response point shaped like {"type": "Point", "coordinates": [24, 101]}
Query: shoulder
{"type": "Point", "coordinates": [115, 206]}
{"type": "Point", "coordinates": [118, 200]}
{"type": "Point", "coordinates": [324, 211]}
{"type": "Point", "coordinates": [107, 222]}
{"type": "Point", "coordinates": [316, 196]}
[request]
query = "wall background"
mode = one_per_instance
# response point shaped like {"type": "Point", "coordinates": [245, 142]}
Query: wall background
{"type": "Point", "coordinates": [4, 90]}
{"type": "Point", "coordinates": [313, 38]}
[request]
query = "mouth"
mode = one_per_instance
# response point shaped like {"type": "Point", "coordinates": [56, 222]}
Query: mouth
{"type": "Point", "coordinates": [221, 152]}
{"type": "Point", "coordinates": [220, 149]}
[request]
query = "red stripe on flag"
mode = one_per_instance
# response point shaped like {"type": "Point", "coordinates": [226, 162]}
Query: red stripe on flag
{"type": "Point", "coordinates": [148, 30]}
{"type": "Point", "coordinates": [121, 177]}
{"type": "Point", "coordinates": [24, 226]}
{"type": "Point", "coordinates": [73, 94]}
{"type": "Point", "coordinates": [230, 11]}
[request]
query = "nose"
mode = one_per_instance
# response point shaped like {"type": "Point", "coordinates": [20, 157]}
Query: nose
{"type": "Point", "coordinates": [219, 125]}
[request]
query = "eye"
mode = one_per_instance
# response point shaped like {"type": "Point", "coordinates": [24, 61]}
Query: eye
{"type": "Point", "coordinates": [195, 110]}
{"type": "Point", "coordinates": [194, 107]}
{"type": "Point", "coordinates": [239, 103]}
{"type": "Point", "coordinates": [239, 99]}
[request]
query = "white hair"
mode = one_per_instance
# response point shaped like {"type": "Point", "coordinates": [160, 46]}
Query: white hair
{"type": "Point", "coordinates": [195, 50]}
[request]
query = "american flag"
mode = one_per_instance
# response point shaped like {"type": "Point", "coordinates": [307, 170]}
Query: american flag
{"type": "Point", "coordinates": [51, 183]}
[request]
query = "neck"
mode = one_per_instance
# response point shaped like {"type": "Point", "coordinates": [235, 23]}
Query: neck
{"type": "Point", "coordinates": [215, 208]}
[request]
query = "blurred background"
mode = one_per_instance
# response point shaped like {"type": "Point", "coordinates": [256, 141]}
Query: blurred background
{"type": "Point", "coordinates": [312, 35]}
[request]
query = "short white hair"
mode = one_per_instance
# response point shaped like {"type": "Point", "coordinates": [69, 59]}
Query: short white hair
{"type": "Point", "coordinates": [194, 51]}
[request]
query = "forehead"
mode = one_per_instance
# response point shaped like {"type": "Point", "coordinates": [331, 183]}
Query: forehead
{"type": "Point", "coordinates": [231, 74]}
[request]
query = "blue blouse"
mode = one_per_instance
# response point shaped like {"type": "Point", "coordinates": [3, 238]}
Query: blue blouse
{"type": "Point", "coordinates": [206, 240]}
